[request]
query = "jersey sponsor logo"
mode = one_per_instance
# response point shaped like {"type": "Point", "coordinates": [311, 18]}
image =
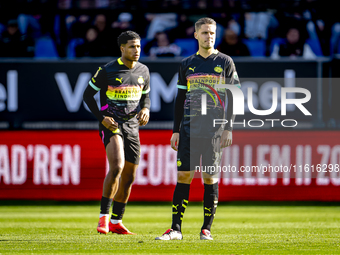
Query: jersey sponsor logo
{"type": "Point", "coordinates": [95, 76]}
{"type": "Point", "coordinates": [206, 83]}
{"type": "Point", "coordinates": [140, 80]}
{"type": "Point", "coordinates": [218, 69]}
{"type": "Point", "coordinates": [192, 69]}
{"type": "Point", "coordinates": [120, 80]}
{"type": "Point", "coordinates": [197, 82]}
{"type": "Point", "coordinates": [124, 93]}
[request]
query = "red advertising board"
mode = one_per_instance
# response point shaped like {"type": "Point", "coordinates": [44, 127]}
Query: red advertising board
{"type": "Point", "coordinates": [260, 165]}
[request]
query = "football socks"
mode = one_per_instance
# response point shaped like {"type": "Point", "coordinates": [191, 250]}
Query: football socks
{"type": "Point", "coordinates": [209, 204]}
{"type": "Point", "coordinates": [118, 210]}
{"type": "Point", "coordinates": [179, 203]}
{"type": "Point", "coordinates": [105, 205]}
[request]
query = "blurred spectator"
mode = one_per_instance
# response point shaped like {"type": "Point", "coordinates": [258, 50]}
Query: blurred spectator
{"type": "Point", "coordinates": [184, 29]}
{"type": "Point", "coordinates": [77, 26]}
{"type": "Point", "coordinates": [91, 46]}
{"type": "Point", "coordinates": [232, 46]}
{"type": "Point", "coordinates": [30, 25]}
{"type": "Point", "coordinates": [316, 26]}
{"type": "Point", "coordinates": [257, 24]}
{"type": "Point", "coordinates": [105, 34]}
{"type": "Point", "coordinates": [102, 3]}
{"type": "Point", "coordinates": [335, 39]}
{"type": "Point", "coordinates": [293, 46]}
{"type": "Point", "coordinates": [100, 23]}
{"type": "Point", "coordinates": [202, 4]}
{"type": "Point", "coordinates": [234, 26]}
{"type": "Point", "coordinates": [163, 47]}
{"type": "Point", "coordinates": [64, 4]}
{"type": "Point", "coordinates": [160, 23]}
{"type": "Point", "coordinates": [122, 24]}
{"type": "Point", "coordinates": [15, 44]}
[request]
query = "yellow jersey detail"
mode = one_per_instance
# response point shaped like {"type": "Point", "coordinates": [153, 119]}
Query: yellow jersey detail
{"type": "Point", "coordinates": [140, 80]}
{"type": "Point", "coordinates": [95, 76]}
{"type": "Point", "coordinates": [218, 69]}
{"type": "Point", "coordinates": [119, 60]}
{"type": "Point", "coordinates": [127, 93]}
{"type": "Point", "coordinates": [116, 131]}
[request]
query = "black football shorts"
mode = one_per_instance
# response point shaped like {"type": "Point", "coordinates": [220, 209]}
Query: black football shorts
{"type": "Point", "coordinates": [200, 154]}
{"type": "Point", "coordinates": [129, 133]}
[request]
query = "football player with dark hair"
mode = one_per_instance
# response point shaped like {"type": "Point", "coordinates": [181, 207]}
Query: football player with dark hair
{"type": "Point", "coordinates": [124, 86]}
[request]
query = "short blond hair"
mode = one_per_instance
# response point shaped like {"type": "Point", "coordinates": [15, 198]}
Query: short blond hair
{"type": "Point", "coordinates": [203, 21]}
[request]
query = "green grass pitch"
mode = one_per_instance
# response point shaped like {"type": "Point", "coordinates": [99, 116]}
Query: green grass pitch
{"type": "Point", "coordinates": [239, 228]}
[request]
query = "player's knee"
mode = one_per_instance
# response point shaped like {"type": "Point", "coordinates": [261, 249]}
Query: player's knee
{"type": "Point", "coordinates": [184, 177]}
{"type": "Point", "coordinates": [128, 180]}
{"type": "Point", "coordinates": [210, 180]}
{"type": "Point", "coordinates": [116, 170]}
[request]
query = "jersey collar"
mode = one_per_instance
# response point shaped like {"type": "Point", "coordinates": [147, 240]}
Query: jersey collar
{"type": "Point", "coordinates": [214, 52]}
{"type": "Point", "coordinates": [119, 60]}
{"type": "Point", "coordinates": [121, 63]}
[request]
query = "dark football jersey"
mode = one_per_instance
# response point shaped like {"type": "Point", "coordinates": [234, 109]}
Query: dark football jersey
{"type": "Point", "coordinates": [121, 89]}
{"type": "Point", "coordinates": [198, 75]}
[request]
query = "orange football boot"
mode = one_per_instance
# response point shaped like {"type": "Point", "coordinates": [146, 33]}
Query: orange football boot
{"type": "Point", "coordinates": [119, 228]}
{"type": "Point", "coordinates": [103, 226]}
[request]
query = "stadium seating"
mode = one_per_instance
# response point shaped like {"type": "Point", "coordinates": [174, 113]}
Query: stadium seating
{"type": "Point", "coordinates": [188, 46]}
{"type": "Point", "coordinates": [313, 43]}
{"type": "Point", "coordinates": [45, 48]}
{"type": "Point", "coordinates": [71, 53]}
{"type": "Point", "coordinates": [143, 42]}
{"type": "Point", "coordinates": [275, 41]}
{"type": "Point", "coordinates": [315, 46]}
{"type": "Point", "coordinates": [257, 47]}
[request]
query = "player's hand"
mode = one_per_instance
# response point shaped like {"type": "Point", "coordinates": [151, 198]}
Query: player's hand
{"type": "Point", "coordinates": [110, 123]}
{"type": "Point", "coordinates": [174, 141]}
{"type": "Point", "coordinates": [226, 139]}
{"type": "Point", "coordinates": [143, 116]}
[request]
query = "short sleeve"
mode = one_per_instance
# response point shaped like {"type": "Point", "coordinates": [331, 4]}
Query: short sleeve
{"type": "Point", "coordinates": [182, 81]}
{"type": "Point", "coordinates": [98, 80]}
{"type": "Point", "coordinates": [232, 76]}
{"type": "Point", "coordinates": [146, 88]}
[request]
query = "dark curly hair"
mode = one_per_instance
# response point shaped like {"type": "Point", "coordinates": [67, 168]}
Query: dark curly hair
{"type": "Point", "coordinates": [128, 35]}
